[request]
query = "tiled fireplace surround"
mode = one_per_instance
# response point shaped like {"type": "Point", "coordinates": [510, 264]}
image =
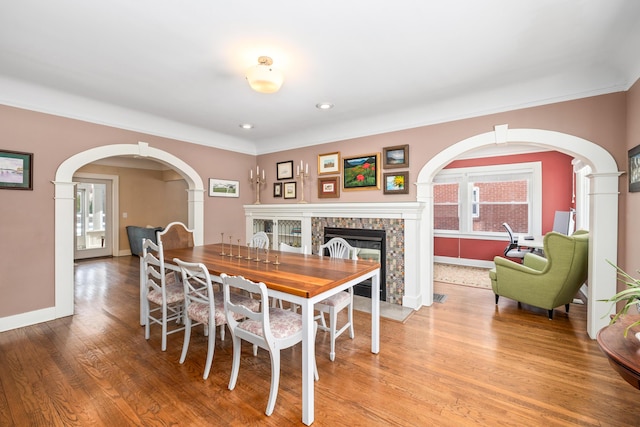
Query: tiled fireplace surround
{"type": "Point", "coordinates": [400, 220]}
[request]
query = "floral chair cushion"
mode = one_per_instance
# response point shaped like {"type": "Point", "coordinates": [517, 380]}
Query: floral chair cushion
{"type": "Point", "coordinates": [175, 293]}
{"type": "Point", "coordinates": [284, 323]}
{"type": "Point", "coordinates": [335, 300]}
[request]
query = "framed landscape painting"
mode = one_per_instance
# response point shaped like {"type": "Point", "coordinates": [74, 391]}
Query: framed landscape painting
{"type": "Point", "coordinates": [634, 169]}
{"type": "Point", "coordinates": [361, 172]}
{"type": "Point", "coordinates": [223, 188]}
{"type": "Point", "coordinates": [16, 170]}
{"type": "Point", "coordinates": [396, 157]}
{"type": "Point", "coordinates": [289, 190]}
{"type": "Point", "coordinates": [329, 163]}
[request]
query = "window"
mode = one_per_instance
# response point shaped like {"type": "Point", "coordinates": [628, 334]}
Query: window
{"type": "Point", "coordinates": [477, 200]}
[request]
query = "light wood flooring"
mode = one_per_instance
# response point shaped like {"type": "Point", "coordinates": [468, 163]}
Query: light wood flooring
{"type": "Point", "coordinates": [462, 363]}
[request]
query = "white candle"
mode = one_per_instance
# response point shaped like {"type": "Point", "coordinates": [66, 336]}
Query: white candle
{"type": "Point", "coordinates": [263, 174]}
{"type": "Point", "coordinates": [257, 171]}
{"type": "Point", "coordinates": [297, 170]}
{"type": "Point", "coordinates": [301, 165]}
{"type": "Point", "coordinates": [251, 173]}
{"type": "Point", "coordinates": [306, 169]}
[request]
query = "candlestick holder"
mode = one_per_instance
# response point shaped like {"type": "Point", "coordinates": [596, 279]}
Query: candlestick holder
{"type": "Point", "coordinates": [302, 176]}
{"type": "Point", "coordinates": [239, 255]}
{"type": "Point", "coordinates": [276, 263]}
{"type": "Point", "coordinates": [222, 240]}
{"type": "Point", "coordinates": [248, 252]}
{"type": "Point", "coordinates": [257, 181]}
{"type": "Point", "coordinates": [230, 254]}
{"type": "Point", "coordinates": [266, 255]}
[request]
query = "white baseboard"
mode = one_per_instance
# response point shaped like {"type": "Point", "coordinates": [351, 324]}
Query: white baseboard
{"type": "Point", "coordinates": [26, 319]}
{"type": "Point", "coordinates": [464, 262]}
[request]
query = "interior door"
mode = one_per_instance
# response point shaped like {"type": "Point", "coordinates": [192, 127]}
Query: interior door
{"type": "Point", "coordinates": [93, 218]}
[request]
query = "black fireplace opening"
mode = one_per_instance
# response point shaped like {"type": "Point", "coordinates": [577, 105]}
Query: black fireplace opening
{"type": "Point", "coordinates": [371, 245]}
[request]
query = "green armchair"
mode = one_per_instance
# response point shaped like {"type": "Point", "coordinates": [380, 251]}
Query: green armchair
{"type": "Point", "coordinates": [545, 282]}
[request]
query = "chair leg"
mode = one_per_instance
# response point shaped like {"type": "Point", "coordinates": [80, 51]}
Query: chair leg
{"type": "Point", "coordinates": [211, 346]}
{"type": "Point", "coordinates": [222, 331]}
{"type": "Point", "coordinates": [275, 380]}
{"type": "Point", "coordinates": [187, 337]}
{"type": "Point", "coordinates": [566, 307]}
{"type": "Point", "coordinates": [497, 296]}
{"type": "Point", "coordinates": [551, 314]}
{"type": "Point", "coordinates": [235, 365]}
{"type": "Point", "coordinates": [333, 319]}
{"type": "Point", "coordinates": [145, 308]}
{"type": "Point", "coordinates": [164, 327]}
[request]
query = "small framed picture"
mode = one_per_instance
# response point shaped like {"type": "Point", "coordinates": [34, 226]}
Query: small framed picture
{"type": "Point", "coordinates": [16, 170]}
{"type": "Point", "coordinates": [329, 163]}
{"type": "Point", "coordinates": [395, 157]}
{"type": "Point", "coordinates": [223, 188]}
{"type": "Point", "coordinates": [395, 183]}
{"type": "Point", "coordinates": [634, 169]}
{"type": "Point", "coordinates": [329, 187]}
{"type": "Point", "coordinates": [277, 189]}
{"type": "Point", "coordinates": [289, 190]}
{"type": "Point", "coordinates": [361, 172]}
{"type": "Point", "coordinates": [284, 170]}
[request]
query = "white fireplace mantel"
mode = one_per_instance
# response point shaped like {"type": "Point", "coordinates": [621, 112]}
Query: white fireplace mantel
{"type": "Point", "coordinates": [409, 212]}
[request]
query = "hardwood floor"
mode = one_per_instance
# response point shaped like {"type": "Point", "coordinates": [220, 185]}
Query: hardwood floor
{"type": "Point", "coordinates": [464, 362]}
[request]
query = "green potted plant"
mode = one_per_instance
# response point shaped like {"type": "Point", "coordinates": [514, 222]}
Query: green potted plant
{"type": "Point", "coordinates": [630, 296]}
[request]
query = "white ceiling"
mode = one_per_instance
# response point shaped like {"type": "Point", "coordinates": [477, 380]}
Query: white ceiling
{"type": "Point", "coordinates": [176, 68]}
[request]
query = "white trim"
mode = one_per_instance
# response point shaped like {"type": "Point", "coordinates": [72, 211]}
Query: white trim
{"type": "Point", "coordinates": [29, 318]}
{"type": "Point", "coordinates": [64, 209]}
{"type": "Point", "coordinates": [603, 210]}
{"type": "Point", "coordinates": [463, 261]}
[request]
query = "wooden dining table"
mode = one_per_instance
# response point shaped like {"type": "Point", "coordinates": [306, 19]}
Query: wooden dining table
{"type": "Point", "coordinates": [297, 278]}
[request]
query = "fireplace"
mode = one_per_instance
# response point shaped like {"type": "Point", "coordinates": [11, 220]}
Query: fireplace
{"type": "Point", "coordinates": [371, 245]}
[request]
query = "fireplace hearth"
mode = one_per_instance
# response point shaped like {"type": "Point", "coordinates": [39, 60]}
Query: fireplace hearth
{"type": "Point", "coordinates": [371, 245]}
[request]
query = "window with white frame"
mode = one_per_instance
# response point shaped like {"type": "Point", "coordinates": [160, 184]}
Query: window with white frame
{"type": "Point", "coordinates": [477, 200]}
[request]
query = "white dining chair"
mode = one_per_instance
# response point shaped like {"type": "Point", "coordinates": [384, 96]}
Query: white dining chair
{"type": "Point", "coordinates": [205, 307]}
{"type": "Point", "coordinates": [167, 298]}
{"type": "Point", "coordinates": [270, 328]}
{"type": "Point", "coordinates": [337, 248]}
{"type": "Point", "coordinates": [259, 240]}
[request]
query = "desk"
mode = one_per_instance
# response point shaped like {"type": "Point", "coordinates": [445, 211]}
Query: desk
{"type": "Point", "coordinates": [300, 279]}
{"type": "Point", "coordinates": [536, 243]}
{"type": "Point", "coordinates": [623, 353]}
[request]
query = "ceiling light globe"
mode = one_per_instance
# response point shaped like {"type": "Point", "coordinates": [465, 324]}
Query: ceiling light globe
{"type": "Point", "coordinates": [263, 77]}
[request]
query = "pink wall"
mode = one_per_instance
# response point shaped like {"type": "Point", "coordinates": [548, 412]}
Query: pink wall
{"type": "Point", "coordinates": [27, 217]}
{"type": "Point", "coordinates": [629, 258]}
{"type": "Point", "coordinates": [556, 196]}
{"type": "Point", "coordinates": [27, 226]}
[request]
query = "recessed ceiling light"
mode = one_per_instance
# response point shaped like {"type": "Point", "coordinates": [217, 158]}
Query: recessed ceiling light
{"type": "Point", "coordinates": [324, 106]}
{"type": "Point", "coordinates": [246, 125]}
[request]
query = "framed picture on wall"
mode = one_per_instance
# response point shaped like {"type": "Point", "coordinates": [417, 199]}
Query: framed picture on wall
{"type": "Point", "coordinates": [223, 188]}
{"type": "Point", "coordinates": [395, 157]}
{"type": "Point", "coordinates": [329, 187]}
{"type": "Point", "coordinates": [361, 172]}
{"type": "Point", "coordinates": [329, 163]}
{"type": "Point", "coordinates": [289, 190]}
{"type": "Point", "coordinates": [395, 183]}
{"type": "Point", "coordinates": [277, 189]}
{"type": "Point", "coordinates": [16, 170]}
{"type": "Point", "coordinates": [634, 169]}
{"type": "Point", "coordinates": [284, 170]}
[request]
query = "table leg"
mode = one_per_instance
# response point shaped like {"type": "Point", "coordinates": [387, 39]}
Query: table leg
{"type": "Point", "coordinates": [308, 355]}
{"type": "Point", "coordinates": [375, 313]}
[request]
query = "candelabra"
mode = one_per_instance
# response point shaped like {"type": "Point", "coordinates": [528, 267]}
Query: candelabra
{"type": "Point", "coordinates": [302, 174]}
{"type": "Point", "coordinates": [257, 181]}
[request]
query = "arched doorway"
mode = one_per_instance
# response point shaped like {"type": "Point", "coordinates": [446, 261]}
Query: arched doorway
{"type": "Point", "coordinates": [603, 208]}
{"type": "Point", "coordinates": [64, 209]}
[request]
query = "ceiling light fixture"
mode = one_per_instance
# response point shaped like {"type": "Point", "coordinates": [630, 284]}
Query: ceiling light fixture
{"type": "Point", "coordinates": [324, 106]}
{"type": "Point", "coordinates": [246, 125]}
{"type": "Point", "coordinates": [263, 77]}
